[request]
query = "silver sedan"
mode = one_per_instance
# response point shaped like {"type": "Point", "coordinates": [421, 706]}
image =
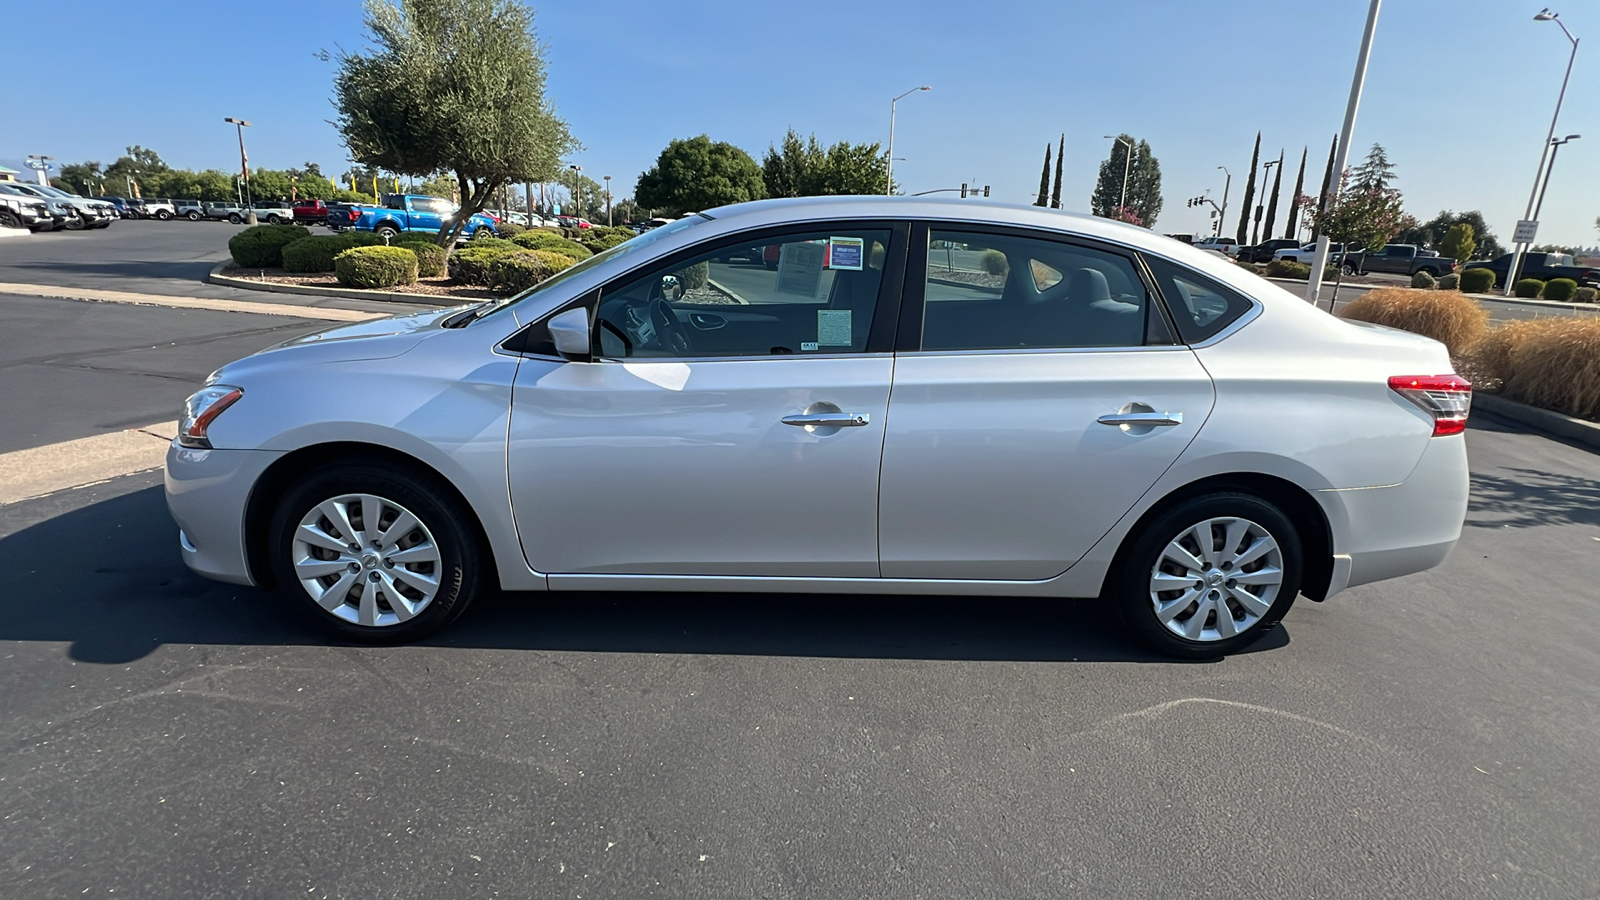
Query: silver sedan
{"type": "Point", "coordinates": [862, 395]}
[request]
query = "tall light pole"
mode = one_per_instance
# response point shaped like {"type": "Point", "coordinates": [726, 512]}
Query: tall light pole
{"type": "Point", "coordinates": [1319, 261]}
{"type": "Point", "coordinates": [888, 179]}
{"type": "Point", "coordinates": [1255, 235]}
{"type": "Point", "coordinates": [1544, 15]}
{"type": "Point", "coordinates": [1225, 185]}
{"type": "Point", "coordinates": [1127, 160]}
{"type": "Point", "coordinates": [608, 200]}
{"type": "Point", "coordinates": [244, 170]}
{"type": "Point", "coordinates": [1555, 144]}
{"type": "Point", "coordinates": [576, 189]}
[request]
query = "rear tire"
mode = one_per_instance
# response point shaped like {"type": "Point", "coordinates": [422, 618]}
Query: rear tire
{"type": "Point", "coordinates": [1210, 576]}
{"type": "Point", "coordinates": [379, 601]}
{"type": "Point", "coordinates": [8, 219]}
{"type": "Point", "coordinates": [234, 219]}
{"type": "Point", "coordinates": [273, 220]}
{"type": "Point", "coordinates": [192, 216]}
{"type": "Point", "coordinates": [163, 215]}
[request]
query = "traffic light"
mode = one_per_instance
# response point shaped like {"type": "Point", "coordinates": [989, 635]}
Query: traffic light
{"type": "Point", "coordinates": [986, 190]}
{"type": "Point", "coordinates": [963, 190]}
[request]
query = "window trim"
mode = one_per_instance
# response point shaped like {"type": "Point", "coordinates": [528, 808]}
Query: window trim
{"type": "Point", "coordinates": [881, 333]}
{"type": "Point", "coordinates": [909, 337]}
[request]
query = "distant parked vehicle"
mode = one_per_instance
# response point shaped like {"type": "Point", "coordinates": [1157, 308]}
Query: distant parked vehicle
{"type": "Point", "coordinates": [1307, 252]}
{"type": "Point", "coordinates": [1402, 259]}
{"type": "Point", "coordinates": [1263, 251]}
{"type": "Point", "coordinates": [78, 212]}
{"type": "Point", "coordinates": [1543, 266]}
{"type": "Point", "coordinates": [127, 209]}
{"type": "Point", "coordinates": [414, 212]}
{"type": "Point", "coordinates": [273, 212]}
{"type": "Point", "coordinates": [310, 212]}
{"type": "Point", "coordinates": [1224, 245]}
{"type": "Point", "coordinates": [189, 209]}
{"type": "Point", "coordinates": [219, 210]}
{"type": "Point", "coordinates": [155, 208]}
{"type": "Point", "coordinates": [17, 211]}
{"type": "Point", "coordinates": [573, 222]}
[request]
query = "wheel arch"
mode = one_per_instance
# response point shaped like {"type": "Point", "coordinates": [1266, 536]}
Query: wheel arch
{"type": "Point", "coordinates": [1303, 510]}
{"type": "Point", "coordinates": [274, 481]}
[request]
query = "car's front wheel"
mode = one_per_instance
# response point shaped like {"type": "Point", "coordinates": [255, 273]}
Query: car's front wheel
{"type": "Point", "coordinates": [1210, 576]}
{"type": "Point", "coordinates": [234, 219]}
{"type": "Point", "coordinates": [380, 553]}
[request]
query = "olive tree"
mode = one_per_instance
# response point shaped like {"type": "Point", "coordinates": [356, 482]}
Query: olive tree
{"type": "Point", "coordinates": [454, 86]}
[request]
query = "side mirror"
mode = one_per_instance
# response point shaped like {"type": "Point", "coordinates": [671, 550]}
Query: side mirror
{"type": "Point", "coordinates": [570, 332]}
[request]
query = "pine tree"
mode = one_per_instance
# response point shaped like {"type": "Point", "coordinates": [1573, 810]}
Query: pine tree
{"type": "Point", "coordinates": [1327, 177]}
{"type": "Point", "coordinates": [1249, 193]}
{"type": "Point", "coordinates": [1375, 173]}
{"type": "Point", "coordinates": [1272, 201]}
{"type": "Point", "coordinates": [1292, 227]}
{"type": "Point", "coordinates": [1044, 179]}
{"type": "Point", "coordinates": [1132, 164]}
{"type": "Point", "coordinates": [1055, 195]}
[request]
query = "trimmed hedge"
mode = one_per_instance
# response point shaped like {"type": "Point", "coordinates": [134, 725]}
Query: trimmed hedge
{"type": "Point", "coordinates": [557, 262]}
{"type": "Point", "coordinates": [315, 253]}
{"type": "Point", "coordinates": [1451, 282]}
{"type": "Point", "coordinates": [430, 259]}
{"type": "Point", "coordinates": [543, 240]}
{"type": "Point", "coordinates": [1528, 288]}
{"type": "Point", "coordinates": [518, 271]}
{"type": "Point", "coordinates": [508, 228]}
{"type": "Point", "coordinates": [376, 267]}
{"type": "Point", "coordinates": [1477, 281]}
{"type": "Point", "coordinates": [261, 246]}
{"type": "Point", "coordinates": [1586, 295]}
{"type": "Point", "coordinates": [1423, 280]}
{"type": "Point", "coordinates": [1282, 268]}
{"type": "Point", "coordinates": [600, 243]}
{"type": "Point", "coordinates": [1560, 289]}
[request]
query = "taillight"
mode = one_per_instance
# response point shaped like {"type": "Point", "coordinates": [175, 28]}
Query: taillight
{"type": "Point", "coordinates": [1447, 398]}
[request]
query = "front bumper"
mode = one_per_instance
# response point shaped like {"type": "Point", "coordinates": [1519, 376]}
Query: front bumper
{"type": "Point", "coordinates": [207, 493]}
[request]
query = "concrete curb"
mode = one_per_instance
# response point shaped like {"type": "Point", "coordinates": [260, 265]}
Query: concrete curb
{"type": "Point", "coordinates": [217, 278]}
{"type": "Point", "coordinates": [1586, 433]}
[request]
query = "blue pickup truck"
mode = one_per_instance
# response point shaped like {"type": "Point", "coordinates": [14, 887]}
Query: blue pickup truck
{"type": "Point", "coordinates": [407, 212]}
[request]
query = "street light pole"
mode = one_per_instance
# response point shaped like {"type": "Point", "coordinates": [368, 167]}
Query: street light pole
{"type": "Point", "coordinates": [244, 170]}
{"type": "Point", "coordinates": [577, 188]}
{"type": "Point", "coordinates": [1544, 15]}
{"type": "Point", "coordinates": [888, 179]}
{"type": "Point", "coordinates": [1127, 159]}
{"type": "Point", "coordinates": [608, 200]}
{"type": "Point", "coordinates": [1225, 186]}
{"type": "Point", "coordinates": [1255, 235]}
{"type": "Point", "coordinates": [1551, 167]}
{"type": "Point", "coordinates": [1319, 261]}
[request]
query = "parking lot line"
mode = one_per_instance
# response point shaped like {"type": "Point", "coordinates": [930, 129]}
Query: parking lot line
{"type": "Point", "coordinates": [263, 309]}
{"type": "Point", "coordinates": [37, 471]}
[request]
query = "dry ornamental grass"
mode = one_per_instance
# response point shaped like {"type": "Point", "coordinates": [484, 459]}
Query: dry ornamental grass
{"type": "Point", "coordinates": [1448, 317]}
{"type": "Point", "coordinates": [1555, 363]}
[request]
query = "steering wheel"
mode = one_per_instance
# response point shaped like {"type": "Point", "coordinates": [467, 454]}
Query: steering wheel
{"type": "Point", "coordinates": [671, 334]}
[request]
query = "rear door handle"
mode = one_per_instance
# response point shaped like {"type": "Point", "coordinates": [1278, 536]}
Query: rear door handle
{"type": "Point", "coordinates": [828, 420]}
{"type": "Point", "coordinates": [1142, 418]}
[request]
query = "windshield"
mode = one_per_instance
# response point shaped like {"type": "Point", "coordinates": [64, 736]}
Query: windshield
{"type": "Point", "coordinates": [626, 248]}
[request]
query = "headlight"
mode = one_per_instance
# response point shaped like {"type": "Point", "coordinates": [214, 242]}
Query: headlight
{"type": "Point", "coordinates": [200, 410]}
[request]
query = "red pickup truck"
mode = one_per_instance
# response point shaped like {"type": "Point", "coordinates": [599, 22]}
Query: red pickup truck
{"type": "Point", "coordinates": [310, 212]}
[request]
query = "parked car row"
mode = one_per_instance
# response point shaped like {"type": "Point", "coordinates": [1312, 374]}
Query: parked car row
{"type": "Point", "coordinates": [37, 207]}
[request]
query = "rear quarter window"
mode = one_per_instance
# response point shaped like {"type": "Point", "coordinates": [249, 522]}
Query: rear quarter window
{"type": "Point", "coordinates": [1200, 306]}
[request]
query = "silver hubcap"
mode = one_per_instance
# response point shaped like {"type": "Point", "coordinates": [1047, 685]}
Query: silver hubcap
{"type": "Point", "coordinates": [1216, 579]}
{"type": "Point", "coordinates": [367, 560]}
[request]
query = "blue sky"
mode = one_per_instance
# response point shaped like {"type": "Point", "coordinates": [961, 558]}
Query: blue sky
{"type": "Point", "coordinates": [1460, 92]}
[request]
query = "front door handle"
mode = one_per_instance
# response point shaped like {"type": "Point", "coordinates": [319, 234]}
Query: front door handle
{"type": "Point", "coordinates": [828, 420]}
{"type": "Point", "coordinates": [1142, 418]}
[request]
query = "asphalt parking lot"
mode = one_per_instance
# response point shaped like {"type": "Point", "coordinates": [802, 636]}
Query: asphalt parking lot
{"type": "Point", "coordinates": [166, 736]}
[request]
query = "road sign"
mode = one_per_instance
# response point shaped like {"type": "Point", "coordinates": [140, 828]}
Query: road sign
{"type": "Point", "coordinates": [1526, 229]}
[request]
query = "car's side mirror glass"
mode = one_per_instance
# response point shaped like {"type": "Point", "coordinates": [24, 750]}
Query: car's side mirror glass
{"type": "Point", "coordinates": [570, 333]}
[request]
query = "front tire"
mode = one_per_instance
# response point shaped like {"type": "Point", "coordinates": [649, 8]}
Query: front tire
{"type": "Point", "coordinates": [273, 220]}
{"type": "Point", "coordinates": [163, 215]}
{"type": "Point", "coordinates": [377, 552]}
{"type": "Point", "coordinates": [387, 232]}
{"type": "Point", "coordinates": [1210, 576]}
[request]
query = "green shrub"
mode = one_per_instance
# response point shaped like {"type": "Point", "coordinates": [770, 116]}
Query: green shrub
{"type": "Point", "coordinates": [615, 230]}
{"type": "Point", "coordinates": [994, 262]}
{"type": "Point", "coordinates": [1527, 288]}
{"type": "Point", "coordinates": [430, 259]}
{"type": "Point", "coordinates": [1560, 289]}
{"type": "Point", "coordinates": [1586, 295]}
{"type": "Point", "coordinates": [1422, 280]}
{"type": "Point", "coordinates": [557, 262]}
{"type": "Point", "coordinates": [1282, 268]}
{"type": "Point", "coordinates": [508, 229]}
{"type": "Point", "coordinates": [362, 238]}
{"type": "Point", "coordinates": [376, 267]}
{"type": "Point", "coordinates": [543, 240]}
{"type": "Point", "coordinates": [1477, 281]}
{"type": "Point", "coordinates": [517, 271]}
{"type": "Point", "coordinates": [1449, 282]}
{"type": "Point", "coordinates": [600, 243]}
{"type": "Point", "coordinates": [695, 276]}
{"type": "Point", "coordinates": [261, 246]}
{"type": "Point", "coordinates": [315, 253]}
{"type": "Point", "coordinates": [472, 264]}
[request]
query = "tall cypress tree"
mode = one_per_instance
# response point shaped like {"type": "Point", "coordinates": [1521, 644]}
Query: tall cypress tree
{"type": "Point", "coordinates": [1249, 193]}
{"type": "Point", "coordinates": [1272, 200]}
{"type": "Point", "coordinates": [1055, 195]}
{"type": "Point", "coordinates": [1044, 179]}
{"type": "Point", "coordinates": [1327, 176]}
{"type": "Point", "coordinates": [1292, 228]}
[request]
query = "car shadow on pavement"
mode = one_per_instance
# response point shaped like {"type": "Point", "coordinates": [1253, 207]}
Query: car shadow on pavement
{"type": "Point", "coordinates": [106, 578]}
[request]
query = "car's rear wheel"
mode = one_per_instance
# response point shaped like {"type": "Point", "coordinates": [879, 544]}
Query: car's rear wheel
{"type": "Point", "coordinates": [9, 219]}
{"type": "Point", "coordinates": [379, 553]}
{"type": "Point", "coordinates": [234, 219]}
{"type": "Point", "coordinates": [163, 215]}
{"type": "Point", "coordinates": [274, 220]}
{"type": "Point", "coordinates": [1210, 576]}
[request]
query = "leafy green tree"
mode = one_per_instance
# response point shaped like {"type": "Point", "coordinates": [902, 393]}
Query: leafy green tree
{"type": "Point", "coordinates": [1143, 174]}
{"type": "Point", "coordinates": [439, 186]}
{"type": "Point", "coordinates": [1375, 173]}
{"type": "Point", "coordinates": [1458, 243]}
{"type": "Point", "coordinates": [1055, 193]}
{"type": "Point", "coordinates": [698, 173]}
{"type": "Point", "coordinates": [1272, 199]}
{"type": "Point", "coordinates": [79, 178]}
{"type": "Point", "coordinates": [1044, 178]}
{"type": "Point", "coordinates": [1361, 217]}
{"type": "Point", "coordinates": [802, 168]}
{"type": "Point", "coordinates": [451, 86]}
{"type": "Point", "coordinates": [1249, 193]}
{"type": "Point", "coordinates": [1433, 232]}
{"type": "Point", "coordinates": [1292, 227]}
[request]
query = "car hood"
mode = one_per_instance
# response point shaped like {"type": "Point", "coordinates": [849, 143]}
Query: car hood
{"type": "Point", "coordinates": [382, 338]}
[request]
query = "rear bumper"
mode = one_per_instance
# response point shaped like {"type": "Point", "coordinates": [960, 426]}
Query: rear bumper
{"type": "Point", "coordinates": [1407, 528]}
{"type": "Point", "coordinates": [207, 492]}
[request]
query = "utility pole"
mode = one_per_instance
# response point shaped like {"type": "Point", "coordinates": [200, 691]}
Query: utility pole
{"type": "Point", "coordinates": [244, 170]}
{"type": "Point", "coordinates": [1319, 261]}
{"type": "Point", "coordinates": [888, 178]}
{"type": "Point", "coordinates": [608, 200]}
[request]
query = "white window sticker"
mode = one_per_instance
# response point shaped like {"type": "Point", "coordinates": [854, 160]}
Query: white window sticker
{"type": "Point", "coordinates": [833, 327]}
{"type": "Point", "coordinates": [800, 269]}
{"type": "Point", "coordinates": [846, 253]}
{"type": "Point", "coordinates": [808, 345]}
